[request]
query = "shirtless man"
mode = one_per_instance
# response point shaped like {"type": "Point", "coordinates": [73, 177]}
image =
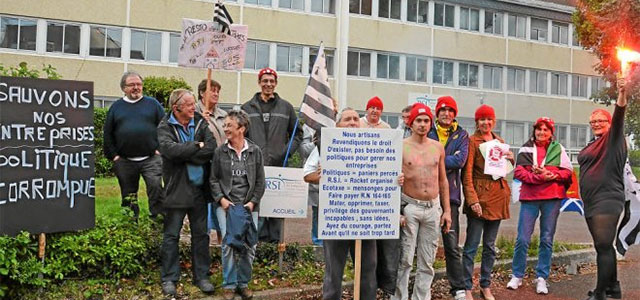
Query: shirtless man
{"type": "Point", "coordinates": [422, 199]}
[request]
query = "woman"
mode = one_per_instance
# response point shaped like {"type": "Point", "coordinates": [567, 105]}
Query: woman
{"type": "Point", "coordinates": [486, 203]}
{"type": "Point", "coordinates": [602, 190]}
{"type": "Point", "coordinates": [544, 168]}
{"type": "Point", "coordinates": [237, 184]}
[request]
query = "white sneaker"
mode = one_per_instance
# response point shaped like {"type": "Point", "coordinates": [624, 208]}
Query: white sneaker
{"type": "Point", "coordinates": [541, 286]}
{"type": "Point", "coordinates": [460, 295]}
{"type": "Point", "coordinates": [514, 283]}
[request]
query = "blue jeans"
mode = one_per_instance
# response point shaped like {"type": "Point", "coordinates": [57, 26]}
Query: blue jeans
{"type": "Point", "coordinates": [529, 211]}
{"type": "Point", "coordinates": [314, 226]}
{"type": "Point", "coordinates": [236, 267]}
{"type": "Point", "coordinates": [212, 217]}
{"type": "Point", "coordinates": [487, 230]}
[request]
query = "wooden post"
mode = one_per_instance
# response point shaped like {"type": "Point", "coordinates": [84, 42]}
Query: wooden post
{"type": "Point", "coordinates": [42, 242]}
{"type": "Point", "coordinates": [208, 90]}
{"type": "Point", "coordinates": [282, 247]}
{"type": "Point", "coordinates": [357, 266]}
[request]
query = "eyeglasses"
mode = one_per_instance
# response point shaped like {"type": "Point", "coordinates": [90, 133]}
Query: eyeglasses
{"type": "Point", "coordinates": [594, 122]}
{"type": "Point", "coordinates": [133, 84]}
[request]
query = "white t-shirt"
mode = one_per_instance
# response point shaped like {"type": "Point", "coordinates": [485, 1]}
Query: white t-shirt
{"type": "Point", "coordinates": [312, 162]}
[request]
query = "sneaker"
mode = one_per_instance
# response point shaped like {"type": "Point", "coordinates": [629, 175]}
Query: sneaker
{"type": "Point", "coordinates": [205, 286]}
{"type": "Point", "coordinates": [460, 295]}
{"type": "Point", "coordinates": [169, 288]}
{"type": "Point", "coordinates": [541, 286]}
{"type": "Point", "coordinates": [228, 294]}
{"type": "Point", "coordinates": [245, 293]}
{"type": "Point", "coordinates": [514, 283]}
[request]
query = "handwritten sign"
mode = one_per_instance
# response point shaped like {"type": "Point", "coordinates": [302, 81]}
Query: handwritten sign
{"type": "Point", "coordinates": [359, 191]}
{"type": "Point", "coordinates": [46, 155]}
{"type": "Point", "coordinates": [285, 194]}
{"type": "Point", "coordinates": [204, 46]}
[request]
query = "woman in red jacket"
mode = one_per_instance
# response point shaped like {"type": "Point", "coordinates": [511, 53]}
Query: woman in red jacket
{"type": "Point", "coordinates": [544, 169]}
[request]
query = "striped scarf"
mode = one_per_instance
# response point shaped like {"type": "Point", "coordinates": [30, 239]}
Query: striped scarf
{"type": "Point", "coordinates": [556, 156]}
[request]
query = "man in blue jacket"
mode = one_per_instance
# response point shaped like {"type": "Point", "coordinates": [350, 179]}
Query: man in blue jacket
{"type": "Point", "coordinates": [456, 143]}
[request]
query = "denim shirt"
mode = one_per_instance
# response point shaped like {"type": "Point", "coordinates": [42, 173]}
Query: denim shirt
{"type": "Point", "coordinates": [195, 172]}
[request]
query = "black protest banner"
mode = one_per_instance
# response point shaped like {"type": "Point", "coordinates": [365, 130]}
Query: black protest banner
{"type": "Point", "coordinates": [46, 155]}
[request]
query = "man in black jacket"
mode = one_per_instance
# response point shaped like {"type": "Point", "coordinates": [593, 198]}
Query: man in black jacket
{"type": "Point", "coordinates": [187, 147]}
{"type": "Point", "coordinates": [272, 123]}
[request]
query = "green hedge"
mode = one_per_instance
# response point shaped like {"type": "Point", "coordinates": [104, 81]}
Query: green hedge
{"type": "Point", "coordinates": [103, 165]}
{"type": "Point", "coordinates": [634, 158]}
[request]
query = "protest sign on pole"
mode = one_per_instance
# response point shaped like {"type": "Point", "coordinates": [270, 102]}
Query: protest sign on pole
{"type": "Point", "coordinates": [203, 46]}
{"type": "Point", "coordinates": [359, 191]}
{"type": "Point", "coordinates": [46, 155]}
{"type": "Point", "coordinates": [285, 194]}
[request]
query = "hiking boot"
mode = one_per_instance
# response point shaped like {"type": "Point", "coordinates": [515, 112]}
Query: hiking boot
{"type": "Point", "coordinates": [228, 294]}
{"type": "Point", "coordinates": [205, 286]}
{"type": "Point", "coordinates": [169, 288]}
{"type": "Point", "coordinates": [245, 293]}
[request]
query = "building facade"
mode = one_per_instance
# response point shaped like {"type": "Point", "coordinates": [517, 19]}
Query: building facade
{"type": "Point", "coordinates": [520, 56]}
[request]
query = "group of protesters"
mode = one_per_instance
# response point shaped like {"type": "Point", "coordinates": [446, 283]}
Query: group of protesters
{"type": "Point", "coordinates": [207, 164]}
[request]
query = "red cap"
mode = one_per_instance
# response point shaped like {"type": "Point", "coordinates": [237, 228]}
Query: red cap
{"type": "Point", "coordinates": [602, 111]}
{"type": "Point", "coordinates": [547, 121]}
{"type": "Point", "coordinates": [445, 101]}
{"type": "Point", "coordinates": [419, 109]}
{"type": "Point", "coordinates": [485, 111]}
{"type": "Point", "coordinates": [375, 102]}
{"type": "Point", "coordinates": [267, 71]}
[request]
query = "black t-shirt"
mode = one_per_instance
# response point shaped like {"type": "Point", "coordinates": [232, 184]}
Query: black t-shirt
{"type": "Point", "coordinates": [266, 108]}
{"type": "Point", "coordinates": [601, 169]}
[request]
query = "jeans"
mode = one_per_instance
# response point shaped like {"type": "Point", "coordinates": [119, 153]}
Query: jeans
{"type": "Point", "coordinates": [335, 257]}
{"type": "Point", "coordinates": [212, 217]}
{"type": "Point", "coordinates": [420, 233]}
{"type": "Point", "coordinates": [200, 258]}
{"type": "Point", "coordinates": [452, 253]}
{"type": "Point", "coordinates": [128, 173]}
{"type": "Point", "coordinates": [529, 211]}
{"type": "Point", "coordinates": [314, 226]}
{"type": "Point", "coordinates": [487, 230]}
{"type": "Point", "coordinates": [236, 267]}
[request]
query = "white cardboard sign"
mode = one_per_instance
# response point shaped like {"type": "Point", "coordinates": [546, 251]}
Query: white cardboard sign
{"type": "Point", "coordinates": [203, 46]}
{"type": "Point", "coordinates": [285, 194]}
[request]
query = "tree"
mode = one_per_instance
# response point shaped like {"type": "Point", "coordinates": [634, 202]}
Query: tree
{"type": "Point", "coordinates": [161, 87]}
{"type": "Point", "coordinates": [602, 26]}
{"type": "Point", "coordinates": [23, 70]}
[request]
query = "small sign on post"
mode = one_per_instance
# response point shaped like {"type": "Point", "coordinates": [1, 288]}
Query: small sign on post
{"type": "Point", "coordinates": [285, 194]}
{"type": "Point", "coordinates": [203, 46]}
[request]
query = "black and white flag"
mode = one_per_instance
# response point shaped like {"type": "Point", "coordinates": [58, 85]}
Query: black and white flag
{"type": "Point", "coordinates": [629, 229]}
{"type": "Point", "coordinates": [317, 109]}
{"type": "Point", "coordinates": [222, 17]}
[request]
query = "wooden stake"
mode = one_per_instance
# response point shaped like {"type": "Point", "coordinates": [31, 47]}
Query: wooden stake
{"type": "Point", "coordinates": [42, 242]}
{"type": "Point", "coordinates": [357, 269]}
{"type": "Point", "coordinates": [208, 90]}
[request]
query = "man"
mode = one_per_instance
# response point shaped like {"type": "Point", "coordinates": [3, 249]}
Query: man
{"type": "Point", "coordinates": [406, 131]}
{"type": "Point", "coordinates": [187, 147]}
{"type": "Point", "coordinates": [335, 251]}
{"type": "Point", "coordinates": [214, 115]}
{"type": "Point", "coordinates": [425, 190]}
{"type": "Point", "coordinates": [272, 124]}
{"type": "Point", "coordinates": [131, 142]}
{"type": "Point", "coordinates": [456, 143]}
{"type": "Point", "coordinates": [374, 111]}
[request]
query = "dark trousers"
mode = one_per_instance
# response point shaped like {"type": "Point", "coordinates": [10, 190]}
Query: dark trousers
{"type": "Point", "coordinates": [269, 229]}
{"type": "Point", "coordinates": [452, 253]}
{"type": "Point", "coordinates": [128, 173]}
{"type": "Point", "coordinates": [388, 259]}
{"type": "Point", "coordinates": [200, 258]}
{"type": "Point", "coordinates": [487, 230]}
{"type": "Point", "coordinates": [335, 257]}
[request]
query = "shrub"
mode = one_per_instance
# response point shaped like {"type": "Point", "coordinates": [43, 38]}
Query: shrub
{"type": "Point", "coordinates": [634, 158]}
{"type": "Point", "coordinates": [161, 87]}
{"type": "Point", "coordinates": [103, 164]}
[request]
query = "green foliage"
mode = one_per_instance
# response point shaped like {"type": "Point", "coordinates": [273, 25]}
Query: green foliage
{"type": "Point", "coordinates": [103, 164]}
{"type": "Point", "coordinates": [23, 70]}
{"type": "Point", "coordinates": [634, 158]}
{"type": "Point", "coordinates": [161, 87]}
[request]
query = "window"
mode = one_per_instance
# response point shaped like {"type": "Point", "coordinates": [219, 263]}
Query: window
{"type": "Point", "coordinates": [63, 38]}
{"type": "Point", "coordinates": [514, 134]}
{"type": "Point", "coordinates": [174, 45]}
{"type": "Point", "coordinates": [517, 26]}
{"type": "Point", "coordinates": [416, 69]}
{"type": "Point", "coordinates": [292, 4]}
{"type": "Point", "coordinates": [389, 9]}
{"type": "Point", "coordinates": [562, 134]}
{"type": "Point", "coordinates": [359, 63]}
{"type": "Point", "coordinates": [392, 120]}
{"type": "Point", "coordinates": [362, 7]}
{"type": "Point", "coordinates": [289, 59]}
{"type": "Point", "coordinates": [538, 82]}
{"type": "Point", "coordinates": [493, 22]}
{"type": "Point", "coordinates": [469, 19]}
{"type": "Point", "coordinates": [468, 124]}
{"type": "Point", "coordinates": [388, 66]}
{"type": "Point", "coordinates": [17, 33]}
{"type": "Point", "coordinates": [105, 41]}
{"type": "Point", "coordinates": [492, 77]}
{"type": "Point", "coordinates": [468, 75]}
{"type": "Point", "coordinates": [558, 84]}
{"type": "Point", "coordinates": [539, 29]}
{"type": "Point", "coordinates": [515, 79]}
{"type": "Point", "coordinates": [257, 56]}
{"type": "Point", "coordinates": [597, 84]}
{"type": "Point", "coordinates": [418, 11]}
{"type": "Point", "coordinates": [323, 6]}
{"type": "Point", "coordinates": [328, 54]}
{"type": "Point", "coordinates": [443, 15]}
{"type": "Point", "coordinates": [145, 45]}
{"type": "Point", "coordinates": [575, 42]}
{"type": "Point", "coordinates": [578, 137]}
{"type": "Point", "coordinates": [579, 86]}
{"type": "Point", "coordinates": [443, 72]}
{"type": "Point", "coordinates": [559, 33]}
{"type": "Point", "coordinates": [259, 2]}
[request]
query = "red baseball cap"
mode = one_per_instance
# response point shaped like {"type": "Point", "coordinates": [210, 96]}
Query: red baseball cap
{"type": "Point", "coordinates": [267, 71]}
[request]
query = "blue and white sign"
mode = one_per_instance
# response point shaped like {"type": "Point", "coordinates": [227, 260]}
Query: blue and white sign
{"type": "Point", "coordinates": [285, 194]}
{"type": "Point", "coordinates": [429, 100]}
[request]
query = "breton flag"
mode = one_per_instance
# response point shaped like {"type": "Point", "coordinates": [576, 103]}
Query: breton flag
{"type": "Point", "coordinates": [317, 109]}
{"type": "Point", "coordinates": [630, 225]}
{"type": "Point", "coordinates": [222, 17]}
{"type": "Point", "coordinates": [573, 202]}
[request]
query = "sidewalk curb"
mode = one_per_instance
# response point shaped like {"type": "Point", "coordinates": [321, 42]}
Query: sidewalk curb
{"type": "Point", "coordinates": [570, 258]}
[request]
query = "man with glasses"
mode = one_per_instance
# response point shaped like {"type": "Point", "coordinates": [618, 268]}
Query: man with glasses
{"type": "Point", "coordinates": [272, 124]}
{"type": "Point", "coordinates": [131, 142]}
